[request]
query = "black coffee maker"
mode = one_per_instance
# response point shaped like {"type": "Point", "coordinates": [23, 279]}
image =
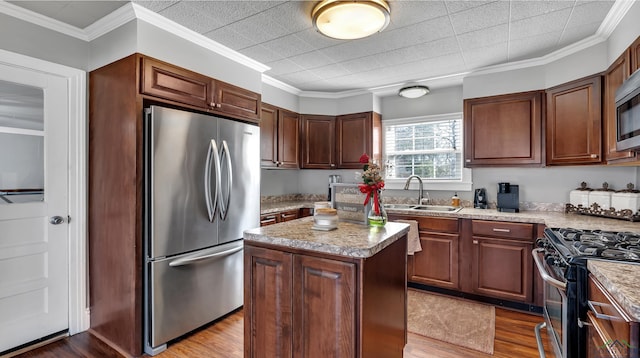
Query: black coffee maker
{"type": "Point", "coordinates": [480, 199]}
{"type": "Point", "coordinates": [508, 198]}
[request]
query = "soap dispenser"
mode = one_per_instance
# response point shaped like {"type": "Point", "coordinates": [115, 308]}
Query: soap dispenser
{"type": "Point", "coordinates": [455, 200]}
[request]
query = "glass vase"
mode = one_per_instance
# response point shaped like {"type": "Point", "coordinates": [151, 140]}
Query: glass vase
{"type": "Point", "coordinates": [377, 214]}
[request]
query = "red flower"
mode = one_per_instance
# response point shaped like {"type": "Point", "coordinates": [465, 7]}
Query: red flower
{"type": "Point", "coordinates": [364, 159]}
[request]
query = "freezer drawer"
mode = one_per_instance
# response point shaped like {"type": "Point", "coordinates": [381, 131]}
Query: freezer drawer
{"type": "Point", "coordinates": [188, 291]}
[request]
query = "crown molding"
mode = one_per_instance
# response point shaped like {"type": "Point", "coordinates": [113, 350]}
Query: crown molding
{"type": "Point", "coordinates": [162, 22]}
{"type": "Point", "coordinates": [280, 85]}
{"type": "Point", "coordinates": [112, 21]}
{"type": "Point", "coordinates": [613, 18]}
{"type": "Point", "coordinates": [41, 20]}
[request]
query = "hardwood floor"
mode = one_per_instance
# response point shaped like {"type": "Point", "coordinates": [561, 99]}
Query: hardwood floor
{"type": "Point", "coordinates": [514, 338]}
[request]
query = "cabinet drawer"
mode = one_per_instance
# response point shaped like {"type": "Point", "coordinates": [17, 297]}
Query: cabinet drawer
{"type": "Point", "coordinates": [288, 215]}
{"type": "Point", "coordinates": [268, 219]}
{"type": "Point", "coordinates": [437, 224]}
{"type": "Point", "coordinates": [611, 322]}
{"type": "Point", "coordinates": [502, 229]}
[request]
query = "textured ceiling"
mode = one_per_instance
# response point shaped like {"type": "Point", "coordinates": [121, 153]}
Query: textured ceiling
{"type": "Point", "coordinates": [425, 39]}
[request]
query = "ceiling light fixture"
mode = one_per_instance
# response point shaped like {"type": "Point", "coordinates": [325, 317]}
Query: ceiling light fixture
{"type": "Point", "coordinates": [413, 91]}
{"type": "Point", "coordinates": [348, 20]}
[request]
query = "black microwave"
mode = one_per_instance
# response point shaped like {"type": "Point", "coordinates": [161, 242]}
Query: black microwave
{"type": "Point", "coordinates": [628, 114]}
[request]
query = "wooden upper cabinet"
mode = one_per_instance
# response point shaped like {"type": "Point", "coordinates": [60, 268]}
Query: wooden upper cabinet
{"type": "Point", "coordinates": [318, 142]}
{"type": "Point", "coordinates": [160, 79]}
{"type": "Point", "coordinates": [278, 137]}
{"type": "Point", "coordinates": [574, 122]}
{"type": "Point", "coordinates": [355, 135]}
{"type": "Point", "coordinates": [503, 130]}
{"type": "Point", "coordinates": [288, 140]}
{"type": "Point", "coordinates": [235, 101]}
{"type": "Point", "coordinates": [613, 78]}
{"type": "Point", "coordinates": [163, 80]}
{"type": "Point", "coordinates": [268, 136]}
{"type": "Point", "coordinates": [635, 55]}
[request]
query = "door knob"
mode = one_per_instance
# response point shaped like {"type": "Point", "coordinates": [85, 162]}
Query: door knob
{"type": "Point", "coordinates": [56, 220]}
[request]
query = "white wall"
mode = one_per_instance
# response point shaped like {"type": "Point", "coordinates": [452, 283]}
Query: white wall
{"type": "Point", "coordinates": [625, 33]}
{"type": "Point", "coordinates": [332, 106]}
{"type": "Point", "coordinates": [278, 97]}
{"type": "Point", "coordinates": [27, 39]}
{"type": "Point", "coordinates": [439, 101]}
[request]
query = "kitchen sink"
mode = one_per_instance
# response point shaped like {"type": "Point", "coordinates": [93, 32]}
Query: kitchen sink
{"type": "Point", "coordinates": [440, 208]}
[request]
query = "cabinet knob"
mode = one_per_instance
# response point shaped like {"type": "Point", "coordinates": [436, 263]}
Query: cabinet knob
{"type": "Point", "coordinates": [475, 242]}
{"type": "Point", "coordinates": [594, 156]}
{"type": "Point", "coordinates": [467, 160]}
{"type": "Point", "coordinates": [218, 105]}
{"type": "Point", "coordinates": [333, 165]}
{"type": "Point", "coordinates": [212, 104]}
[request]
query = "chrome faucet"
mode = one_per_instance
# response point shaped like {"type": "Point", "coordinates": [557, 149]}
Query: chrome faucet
{"type": "Point", "coordinates": [420, 192]}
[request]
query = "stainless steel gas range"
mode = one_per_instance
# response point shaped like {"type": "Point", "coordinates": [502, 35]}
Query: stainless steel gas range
{"type": "Point", "coordinates": [561, 258]}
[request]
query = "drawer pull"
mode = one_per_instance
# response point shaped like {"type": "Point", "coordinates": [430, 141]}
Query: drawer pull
{"type": "Point", "coordinates": [501, 230]}
{"type": "Point", "coordinates": [475, 242]}
{"type": "Point", "coordinates": [598, 312]}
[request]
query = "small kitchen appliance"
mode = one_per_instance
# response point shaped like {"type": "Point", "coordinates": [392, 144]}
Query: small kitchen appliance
{"type": "Point", "coordinates": [480, 198]}
{"type": "Point", "coordinates": [333, 178]}
{"type": "Point", "coordinates": [508, 198]}
{"type": "Point", "coordinates": [561, 259]}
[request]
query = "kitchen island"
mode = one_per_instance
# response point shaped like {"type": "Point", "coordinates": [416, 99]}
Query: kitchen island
{"type": "Point", "coordinates": [339, 293]}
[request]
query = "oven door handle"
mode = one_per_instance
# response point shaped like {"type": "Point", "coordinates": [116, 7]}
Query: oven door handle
{"type": "Point", "coordinates": [543, 272]}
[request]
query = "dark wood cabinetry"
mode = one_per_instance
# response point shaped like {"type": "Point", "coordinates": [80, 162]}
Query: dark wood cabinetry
{"type": "Point", "coordinates": [163, 80]}
{"type": "Point", "coordinates": [502, 265]}
{"type": "Point", "coordinates": [634, 50]}
{"type": "Point", "coordinates": [437, 263]}
{"type": "Point", "coordinates": [117, 95]}
{"type": "Point", "coordinates": [338, 142]}
{"type": "Point", "coordinates": [355, 135]}
{"type": "Point", "coordinates": [306, 304]}
{"type": "Point", "coordinates": [282, 216]}
{"type": "Point", "coordinates": [613, 78]}
{"type": "Point", "coordinates": [504, 130]}
{"type": "Point", "coordinates": [611, 331]}
{"type": "Point", "coordinates": [318, 141]}
{"type": "Point", "coordinates": [574, 122]}
{"type": "Point", "coordinates": [279, 140]}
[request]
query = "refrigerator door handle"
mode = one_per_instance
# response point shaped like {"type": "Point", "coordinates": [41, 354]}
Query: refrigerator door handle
{"type": "Point", "coordinates": [204, 256]}
{"type": "Point", "coordinates": [212, 156]}
{"type": "Point", "coordinates": [226, 199]}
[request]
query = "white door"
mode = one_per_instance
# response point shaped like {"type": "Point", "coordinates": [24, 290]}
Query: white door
{"type": "Point", "coordinates": [34, 253]}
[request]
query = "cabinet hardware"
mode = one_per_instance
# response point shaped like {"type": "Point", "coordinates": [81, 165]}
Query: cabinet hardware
{"type": "Point", "coordinates": [501, 230]}
{"type": "Point", "coordinates": [475, 242]}
{"type": "Point", "coordinates": [594, 156]}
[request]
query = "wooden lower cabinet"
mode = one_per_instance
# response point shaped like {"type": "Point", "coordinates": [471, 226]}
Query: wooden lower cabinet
{"type": "Point", "coordinates": [282, 216]}
{"type": "Point", "coordinates": [301, 304]}
{"type": "Point", "coordinates": [502, 268]}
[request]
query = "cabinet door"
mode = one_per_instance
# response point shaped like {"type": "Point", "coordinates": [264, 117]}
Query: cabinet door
{"type": "Point", "coordinates": [267, 303]}
{"type": "Point", "coordinates": [288, 140]}
{"type": "Point", "coordinates": [269, 219]}
{"type": "Point", "coordinates": [289, 215]}
{"type": "Point", "coordinates": [502, 268]}
{"type": "Point", "coordinates": [268, 136]}
{"type": "Point", "coordinates": [616, 74]}
{"type": "Point", "coordinates": [503, 130]}
{"type": "Point", "coordinates": [324, 294]}
{"type": "Point", "coordinates": [354, 137]}
{"type": "Point", "coordinates": [318, 142]}
{"type": "Point", "coordinates": [162, 80]}
{"type": "Point", "coordinates": [574, 122]}
{"type": "Point", "coordinates": [635, 55]}
{"type": "Point", "coordinates": [236, 102]}
{"type": "Point", "coordinates": [437, 263]}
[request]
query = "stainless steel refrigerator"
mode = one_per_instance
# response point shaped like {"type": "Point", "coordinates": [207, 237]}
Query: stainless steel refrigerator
{"type": "Point", "coordinates": [202, 190]}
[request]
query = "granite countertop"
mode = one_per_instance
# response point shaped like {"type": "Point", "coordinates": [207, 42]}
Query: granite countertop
{"type": "Point", "coordinates": [549, 218]}
{"type": "Point", "coordinates": [622, 281]}
{"type": "Point", "coordinates": [274, 207]}
{"type": "Point", "coordinates": [553, 219]}
{"type": "Point", "coordinates": [349, 239]}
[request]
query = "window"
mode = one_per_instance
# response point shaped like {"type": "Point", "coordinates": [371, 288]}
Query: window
{"type": "Point", "coordinates": [429, 147]}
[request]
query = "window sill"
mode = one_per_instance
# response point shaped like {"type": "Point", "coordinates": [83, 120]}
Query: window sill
{"type": "Point", "coordinates": [398, 184]}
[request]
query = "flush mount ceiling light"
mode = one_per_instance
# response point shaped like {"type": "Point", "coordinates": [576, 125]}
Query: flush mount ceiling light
{"type": "Point", "coordinates": [413, 91]}
{"type": "Point", "coordinates": [348, 20]}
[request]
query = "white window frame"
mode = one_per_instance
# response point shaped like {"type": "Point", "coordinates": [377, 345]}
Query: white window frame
{"type": "Point", "coordinates": [463, 184]}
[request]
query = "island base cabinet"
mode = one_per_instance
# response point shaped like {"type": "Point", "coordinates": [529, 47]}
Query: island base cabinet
{"type": "Point", "coordinates": [267, 306]}
{"type": "Point", "coordinates": [299, 305]}
{"type": "Point", "coordinates": [323, 311]}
